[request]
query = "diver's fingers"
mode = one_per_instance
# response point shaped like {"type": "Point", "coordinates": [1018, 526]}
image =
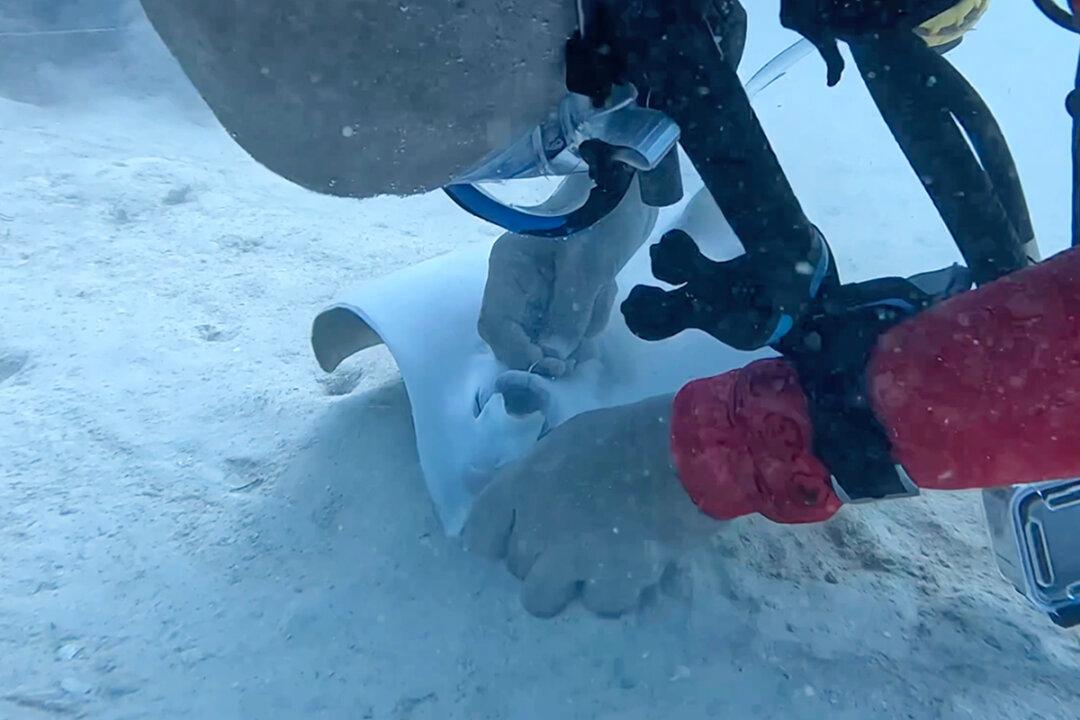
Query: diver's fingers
{"type": "Point", "coordinates": [553, 581]}
{"type": "Point", "coordinates": [508, 340]}
{"type": "Point", "coordinates": [518, 282]}
{"type": "Point", "coordinates": [587, 350]}
{"type": "Point", "coordinates": [553, 367]}
{"type": "Point", "coordinates": [491, 521]}
{"type": "Point", "coordinates": [616, 580]}
{"type": "Point", "coordinates": [601, 310]}
{"type": "Point", "coordinates": [570, 311]}
{"type": "Point", "coordinates": [522, 551]}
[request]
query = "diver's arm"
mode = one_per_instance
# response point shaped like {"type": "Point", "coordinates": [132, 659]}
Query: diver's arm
{"type": "Point", "coordinates": [982, 390]}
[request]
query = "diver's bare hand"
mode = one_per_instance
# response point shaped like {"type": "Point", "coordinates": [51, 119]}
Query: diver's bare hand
{"type": "Point", "coordinates": [595, 511]}
{"type": "Point", "coordinates": [546, 298]}
{"type": "Point", "coordinates": [539, 309]}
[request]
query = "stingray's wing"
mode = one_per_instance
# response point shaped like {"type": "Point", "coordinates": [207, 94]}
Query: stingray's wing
{"type": "Point", "coordinates": [362, 97]}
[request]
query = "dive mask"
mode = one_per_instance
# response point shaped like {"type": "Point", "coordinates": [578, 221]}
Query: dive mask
{"type": "Point", "coordinates": [634, 138]}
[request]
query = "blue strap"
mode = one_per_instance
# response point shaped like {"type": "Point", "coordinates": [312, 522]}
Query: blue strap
{"type": "Point", "coordinates": [485, 207]}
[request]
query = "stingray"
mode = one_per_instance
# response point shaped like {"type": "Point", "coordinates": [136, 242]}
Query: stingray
{"type": "Point", "coordinates": [470, 413]}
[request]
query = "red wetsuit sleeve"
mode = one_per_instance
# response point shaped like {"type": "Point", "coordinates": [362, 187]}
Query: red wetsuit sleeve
{"type": "Point", "coordinates": [979, 391]}
{"type": "Point", "coordinates": [984, 389]}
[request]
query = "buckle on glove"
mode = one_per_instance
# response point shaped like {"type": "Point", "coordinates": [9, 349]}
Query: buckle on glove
{"type": "Point", "coordinates": [899, 485]}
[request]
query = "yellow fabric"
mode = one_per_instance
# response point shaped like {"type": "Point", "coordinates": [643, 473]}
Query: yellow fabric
{"type": "Point", "coordinates": [953, 23]}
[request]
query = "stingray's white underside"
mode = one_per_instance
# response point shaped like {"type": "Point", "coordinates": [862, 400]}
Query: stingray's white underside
{"type": "Point", "coordinates": [426, 315]}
